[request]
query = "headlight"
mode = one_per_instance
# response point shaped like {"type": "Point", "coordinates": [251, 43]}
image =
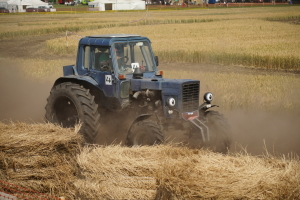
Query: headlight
{"type": "Point", "coordinates": [171, 102]}
{"type": "Point", "coordinates": [208, 96]}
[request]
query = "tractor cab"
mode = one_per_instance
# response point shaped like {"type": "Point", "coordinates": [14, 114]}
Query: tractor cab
{"type": "Point", "coordinates": [110, 60]}
{"type": "Point", "coordinates": [118, 54]}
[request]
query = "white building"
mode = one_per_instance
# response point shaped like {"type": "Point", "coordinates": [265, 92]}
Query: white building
{"type": "Point", "coordinates": [20, 5]}
{"type": "Point", "coordinates": [102, 5]}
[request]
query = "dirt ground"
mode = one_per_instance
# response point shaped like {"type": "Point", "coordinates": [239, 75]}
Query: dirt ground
{"type": "Point", "coordinates": [24, 100]}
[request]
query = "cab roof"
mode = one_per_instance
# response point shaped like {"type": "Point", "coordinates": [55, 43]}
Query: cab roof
{"type": "Point", "coordinates": [114, 36]}
{"type": "Point", "coordinates": [109, 39]}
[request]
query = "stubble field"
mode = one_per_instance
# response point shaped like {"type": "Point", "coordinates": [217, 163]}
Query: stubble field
{"type": "Point", "coordinates": [248, 57]}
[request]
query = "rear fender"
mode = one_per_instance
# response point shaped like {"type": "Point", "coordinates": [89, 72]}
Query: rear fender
{"type": "Point", "coordinates": [76, 79]}
{"type": "Point", "coordinates": [70, 70]}
{"type": "Point", "coordinates": [87, 82]}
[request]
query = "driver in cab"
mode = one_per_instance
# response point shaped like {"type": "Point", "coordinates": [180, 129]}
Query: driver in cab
{"type": "Point", "coordinates": [122, 60]}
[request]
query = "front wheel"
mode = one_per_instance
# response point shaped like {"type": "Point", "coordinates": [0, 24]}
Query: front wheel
{"type": "Point", "coordinates": [220, 133]}
{"type": "Point", "coordinates": [145, 132]}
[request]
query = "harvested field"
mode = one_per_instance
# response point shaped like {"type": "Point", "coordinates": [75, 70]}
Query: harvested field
{"type": "Point", "coordinates": [259, 96]}
{"type": "Point", "coordinates": [49, 159]}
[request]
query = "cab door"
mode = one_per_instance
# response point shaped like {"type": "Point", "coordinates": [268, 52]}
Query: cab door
{"type": "Point", "coordinates": [93, 65]}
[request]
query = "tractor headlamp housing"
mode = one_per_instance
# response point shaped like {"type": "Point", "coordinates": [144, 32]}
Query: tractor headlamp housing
{"type": "Point", "coordinates": [208, 97]}
{"type": "Point", "coordinates": [171, 102]}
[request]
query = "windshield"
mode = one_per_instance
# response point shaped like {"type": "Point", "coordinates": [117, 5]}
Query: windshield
{"type": "Point", "coordinates": [132, 55]}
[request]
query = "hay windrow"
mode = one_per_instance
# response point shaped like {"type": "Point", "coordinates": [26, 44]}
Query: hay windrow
{"type": "Point", "coordinates": [40, 157]}
{"type": "Point", "coordinates": [52, 160]}
{"type": "Point", "coordinates": [185, 174]}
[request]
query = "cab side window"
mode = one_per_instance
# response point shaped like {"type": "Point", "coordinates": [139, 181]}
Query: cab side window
{"type": "Point", "coordinates": [101, 59]}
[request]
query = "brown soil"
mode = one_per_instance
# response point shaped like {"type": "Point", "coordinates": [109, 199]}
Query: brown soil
{"type": "Point", "coordinates": [23, 99]}
{"type": "Point", "coordinates": [28, 47]}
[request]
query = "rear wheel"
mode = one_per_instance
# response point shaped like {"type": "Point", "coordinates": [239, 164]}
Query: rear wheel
{"type": "Point", "coordinates": [70, 104]}
{"type": "Point", "coordinates": [145, 132]}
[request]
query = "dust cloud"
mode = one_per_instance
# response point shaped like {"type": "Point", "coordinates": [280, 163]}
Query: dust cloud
{"type": "Point", "coordinates": [259, 132]}
{"type": "Point", "coordinates": [21, 99]}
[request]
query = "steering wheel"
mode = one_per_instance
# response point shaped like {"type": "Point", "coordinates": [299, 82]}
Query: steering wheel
{"type": "Point", "coordinates": [127, 70]}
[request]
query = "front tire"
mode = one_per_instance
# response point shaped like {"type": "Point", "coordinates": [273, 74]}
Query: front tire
{"type": "Point", "coordinates": [220, 133]}
{"type": "Point", "coordinates": [145, 132]}
{"type": "Point", "coordinates": [70, 104]}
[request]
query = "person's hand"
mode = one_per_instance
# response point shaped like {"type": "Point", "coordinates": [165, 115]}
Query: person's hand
{"type": "Point", "coordinates": [142, 68]}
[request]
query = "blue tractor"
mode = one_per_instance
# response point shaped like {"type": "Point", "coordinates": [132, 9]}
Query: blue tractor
{"type": "Point", "coordinates": [116, 84]}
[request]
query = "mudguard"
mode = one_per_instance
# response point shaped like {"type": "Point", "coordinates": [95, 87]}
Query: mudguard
{"type": "Point", "coordinates": [205, 106]}
{"type": "Point", "coordinates": [71, 75]}
{"type": "Point", "coordinates": [77, 79]}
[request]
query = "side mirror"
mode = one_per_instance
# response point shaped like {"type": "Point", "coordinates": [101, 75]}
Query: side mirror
{"type": "Point", "coordinates": [156, 60]}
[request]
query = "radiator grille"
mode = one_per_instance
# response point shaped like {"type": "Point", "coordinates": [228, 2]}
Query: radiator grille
{"type": "Point", "coordinates": [190, 97]}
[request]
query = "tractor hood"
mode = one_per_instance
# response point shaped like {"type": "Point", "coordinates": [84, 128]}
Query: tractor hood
{"type": "Point", "coordinates": [184, 92]}
{"type": "Point", "coordinates": [172, 86]}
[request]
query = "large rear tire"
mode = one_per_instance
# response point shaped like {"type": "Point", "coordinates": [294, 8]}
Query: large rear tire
{"type": "Point", "coordinates": [70, 104]}
{"type": "Point", "coordinates": [220, 133]}
{"type": "Point", "coordinates": [145, 132]}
